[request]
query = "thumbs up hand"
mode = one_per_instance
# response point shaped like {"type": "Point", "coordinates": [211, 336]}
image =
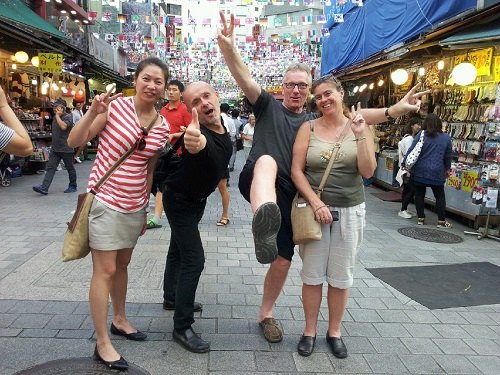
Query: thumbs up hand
{"type": "Point", "coordinates": [194, 141]}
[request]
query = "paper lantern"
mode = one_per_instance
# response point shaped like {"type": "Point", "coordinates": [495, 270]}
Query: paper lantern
{"type": "Point", "coordinates": [35, 61]}
{"type": "Point", "coordinates": [21, 57]}
{"type": "Point", "coordinates": [399, 76]}
{"type": "Point", "coordinates": [464, 73]}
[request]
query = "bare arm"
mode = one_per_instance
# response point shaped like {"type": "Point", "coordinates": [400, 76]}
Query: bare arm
{"type": "Point", "coordinates": [365, 147]}
{"type": "Point", "coordinates": [298, 167]}
{"type": "Point", "coordinates": [236, 65]}
{"type": "Point", "coordinates": [409, 103]}
{"type": "Point", "coordinates": [93, 121]}
{"type": "Point", "coordinates": [20, 144]}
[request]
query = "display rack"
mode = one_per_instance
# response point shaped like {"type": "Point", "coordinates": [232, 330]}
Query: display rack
{"type": "Point", "coordinates": [489, 203]}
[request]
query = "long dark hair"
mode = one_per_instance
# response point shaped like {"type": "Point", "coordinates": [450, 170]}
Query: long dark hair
{"type": "Point", "coordinates": [432, 125]}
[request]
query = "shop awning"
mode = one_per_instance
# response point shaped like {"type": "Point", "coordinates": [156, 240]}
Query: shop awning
{"type": "Point", "coordinates": [382, 24]}
{"type": "Point", "coordinates": [489, 34]}
{"type": "Point", "coordinates": [17, 11]}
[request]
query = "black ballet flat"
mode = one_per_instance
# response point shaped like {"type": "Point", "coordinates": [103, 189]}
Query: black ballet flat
{"type": "Point", "coordinates": [120, 364]}
{"type": "Point", "coordinates": [136, 336]}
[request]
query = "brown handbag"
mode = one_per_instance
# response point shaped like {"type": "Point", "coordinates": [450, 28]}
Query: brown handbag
{"type": "Point", "coordinates": [76, 240]}
{"type": "Point", "coordinates": [305, 227]}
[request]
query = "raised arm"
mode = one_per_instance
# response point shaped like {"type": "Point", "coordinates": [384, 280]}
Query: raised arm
{"type": "Point", "coordinates": [93, 121]}
{"type": "Point", "coordinates": [410, 103]}
{"type": "Point", "coordinates": [236, 65]}
{"type": "Point", "coordinates": [20, 143]}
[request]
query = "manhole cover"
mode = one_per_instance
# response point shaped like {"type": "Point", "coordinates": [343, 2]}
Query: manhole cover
{"type": "Point", "coordinates": [78, 366]}
{"type": "Point", "coordinates": [430, 235]}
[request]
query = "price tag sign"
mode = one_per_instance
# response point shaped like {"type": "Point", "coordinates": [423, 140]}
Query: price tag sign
{"type": "Point", "coordinates": [453, 182]}
{"type": "Point", "coordinates": [469, 179]}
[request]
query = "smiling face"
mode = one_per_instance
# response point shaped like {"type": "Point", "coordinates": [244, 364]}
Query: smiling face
{"type": "Point", "coordinates": [296, 85]}
{"type": "Point", "coordinates": [150, 83]}
{"type": "Point", "coordinates": [328, 97]}
{"type": "Point", "coordinates": [202, 96]}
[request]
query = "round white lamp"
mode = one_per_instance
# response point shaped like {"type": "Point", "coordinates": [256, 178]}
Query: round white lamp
{"type": "Point", "coordinates": [35, 61]}
{"type": "Point", "coordinates": [399, 76]}
{"type": "Point", "coordinates": [464, 73]}
{"type": "Point", "coordinates": [21, 57]}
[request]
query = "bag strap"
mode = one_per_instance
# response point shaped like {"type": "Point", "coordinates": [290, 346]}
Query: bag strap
{"type": "Point", "coordinates": [180, 140]}
{"type": "Point", "coordinates": [119, 162]}
{"type": "Point", "coordinates": [336, 148]}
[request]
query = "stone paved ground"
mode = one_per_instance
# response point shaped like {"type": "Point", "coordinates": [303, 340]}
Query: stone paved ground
{"type": "Point", "coordinates": [44, 313]}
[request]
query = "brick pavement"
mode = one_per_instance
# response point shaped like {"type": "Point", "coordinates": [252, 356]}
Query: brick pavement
{"type": "Point", "coordinates": [44, 313]}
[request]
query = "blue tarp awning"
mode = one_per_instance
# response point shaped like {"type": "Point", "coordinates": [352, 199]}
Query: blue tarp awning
{"type": "Point", "coordinates": [380, 24]}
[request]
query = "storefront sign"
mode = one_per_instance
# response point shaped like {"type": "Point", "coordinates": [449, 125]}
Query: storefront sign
{"type": "Point", "coordinates": [50, 62]}
{"type": "Point", "coordinates": [480, 59]}
{"type": "Point", "coordinates": [469, 179]}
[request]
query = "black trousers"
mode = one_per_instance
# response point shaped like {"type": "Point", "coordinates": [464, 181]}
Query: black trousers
{"type": "Point", "coordinates": [186, 256]}
{"type": "Point", "coordinates": [407, 195]}
{"type": "Point", "coordinates": [439, 195]}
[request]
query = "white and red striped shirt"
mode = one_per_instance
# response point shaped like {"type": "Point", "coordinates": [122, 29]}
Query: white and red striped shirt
{"type": "Point", "coordinates": [125, 190]}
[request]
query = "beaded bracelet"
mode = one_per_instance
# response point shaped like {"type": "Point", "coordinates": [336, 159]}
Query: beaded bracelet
{"type": "Point", "coordinates": [360, 139]}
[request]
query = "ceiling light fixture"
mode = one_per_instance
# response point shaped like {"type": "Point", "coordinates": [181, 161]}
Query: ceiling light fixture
{"type": "Point", "coordinates": [399, 76]}
{"type": "Point", "coordinates": [464, 73]}
{"type": "Point", "coordinates": [21, 57]}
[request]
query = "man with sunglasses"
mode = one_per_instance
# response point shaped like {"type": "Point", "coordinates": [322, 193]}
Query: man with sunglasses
{"type": "Point", "coordinates": [265, 180]}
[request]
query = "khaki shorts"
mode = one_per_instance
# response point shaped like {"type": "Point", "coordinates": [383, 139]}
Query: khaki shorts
{"type": "Point", "coordinates": [112, 230]}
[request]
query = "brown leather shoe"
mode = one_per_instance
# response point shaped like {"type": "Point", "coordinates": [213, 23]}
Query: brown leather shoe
{"type": "Point", "coordinates": [271, 329]}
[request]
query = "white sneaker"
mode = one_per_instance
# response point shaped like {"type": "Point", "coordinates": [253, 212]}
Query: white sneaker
{"type": "Point", "coordinates": [413, 214]}
{"type": "Point", "coordinates": [404, 214]}
{"type": "Point", "coordinates": [77, 159]}
{"type": "Point", "coordinates": [59, 168]}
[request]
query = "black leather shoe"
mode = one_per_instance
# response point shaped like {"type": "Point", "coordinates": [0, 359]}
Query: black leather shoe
{"type": "Point", "coordinates": [167, 305]}
{"type": "Point", "coordinates": [306, 345]}
{"type": "Point", "coordinates": [191, 341]}
{"type": "Point", "coordinates": [136, 336]}
{"type": "Point", "coordinates": [119, 364]}
{"type": "Point", "coordinates": [337, 346]}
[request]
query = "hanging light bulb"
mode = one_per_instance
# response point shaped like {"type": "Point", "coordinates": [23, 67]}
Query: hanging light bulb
{"type": "Point", "coordinates": [399, 76]}
{"type": "Point", "coordinates": [421, 71]}
{"type": "Point", "coordinates": [464, 73]}
{"type": "Point", "coordinates": [35, 61]}
{"type": "Point", "coordinates": [362, 87]}
{"type": "Point", "coordinates": [372, 85]}
{"type": "Point", "coordinates": [380, 83]}
{"type": "Point", "coordinates": [21, 57]}
{"type": "Point", "coordinates": [34, 82]}
{"type": "Point", "coordinates": [14, 66]}
{"type": "Point", "coordinates": [440, 64]}
{"type": "Point", "coordinates": [355, 90]}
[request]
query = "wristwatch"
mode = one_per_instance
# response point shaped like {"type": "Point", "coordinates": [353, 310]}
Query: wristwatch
{"type": "Point", "coordinates": [389, 117]}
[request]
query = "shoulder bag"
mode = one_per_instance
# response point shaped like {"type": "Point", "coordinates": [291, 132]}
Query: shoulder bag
{"type": "Point", "coordinates": [76, 240]}
{"type": "Point", "coordinates": [166, 163]}
{"type": "Point", "coordinates": [412, 157]}
{"type": "Point", "coordinates": [304, 225]}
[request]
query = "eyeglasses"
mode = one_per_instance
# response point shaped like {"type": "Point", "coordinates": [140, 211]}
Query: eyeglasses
{"type": "Point", "coordinates": [291, 85]}
{"type": "Point", "coordinates": [141, 144]}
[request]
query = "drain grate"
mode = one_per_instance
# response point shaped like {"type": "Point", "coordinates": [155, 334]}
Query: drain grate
{"type": "Point", "coordinates": [430, 235]}
{"type": "Point", "coordinates": [77, 366]}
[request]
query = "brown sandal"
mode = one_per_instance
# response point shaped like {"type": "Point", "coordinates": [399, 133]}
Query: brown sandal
{"type": "Point", "coordinates": [222, 222]}
{"type": "Point", "coordinates": [271, 329]}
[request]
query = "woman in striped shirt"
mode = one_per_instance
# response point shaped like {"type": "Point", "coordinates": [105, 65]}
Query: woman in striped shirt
{"type": "Point", "coordinates": [118, 215]}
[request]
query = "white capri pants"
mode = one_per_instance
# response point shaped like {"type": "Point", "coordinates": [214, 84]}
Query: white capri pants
{"type": "Point", "coordinates": [333, 257]}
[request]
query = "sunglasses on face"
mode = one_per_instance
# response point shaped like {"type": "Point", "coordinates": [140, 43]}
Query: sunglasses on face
{"type": "Point", "coordinates": [141, 145]}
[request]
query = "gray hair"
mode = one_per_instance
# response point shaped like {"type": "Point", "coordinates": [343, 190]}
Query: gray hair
{"type": "Point", "coordinates": [299, 66]}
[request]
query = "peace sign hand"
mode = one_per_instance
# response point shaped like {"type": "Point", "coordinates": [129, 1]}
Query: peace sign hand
{"type": "Point", "coordinates": [358, 124]}
{"type": "Point", "coordinates": [100, 102]}
{"type": "Point", "coordinates": [225, 36]}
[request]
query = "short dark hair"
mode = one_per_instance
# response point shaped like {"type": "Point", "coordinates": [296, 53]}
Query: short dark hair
{"type": "Point", "coordinates": [224, 107]}
{"type": "Point", "coordinates": [152, 60]}
{"type": "Point", "coordinates": [235, 113]}
{"type": "Point", "coordinates": [177, 83]}
{"type": "Point", "coordinates": [432, 125]}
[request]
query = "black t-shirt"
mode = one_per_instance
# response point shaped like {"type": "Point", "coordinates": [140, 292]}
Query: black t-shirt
{"type": "Point", "coordinates": [198, 175]}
